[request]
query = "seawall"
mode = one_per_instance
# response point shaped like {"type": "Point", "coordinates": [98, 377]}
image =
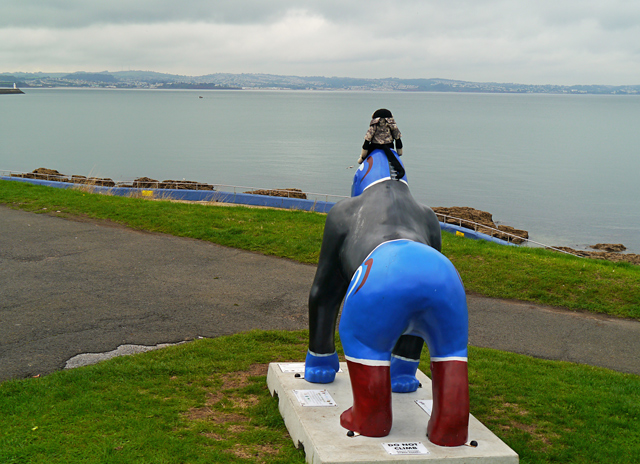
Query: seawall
{"type": "Point", "coordinates": [236, 198]}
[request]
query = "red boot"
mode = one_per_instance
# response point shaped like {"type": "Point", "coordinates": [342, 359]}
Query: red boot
{"type": "Point", "coordinates": [370, 414]}
{"type": "Point", "coordinates": [449, 423]}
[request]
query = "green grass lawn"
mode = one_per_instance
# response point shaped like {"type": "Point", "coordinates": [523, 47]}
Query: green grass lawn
{"type": "Point", "coordinates": [486, 268]}
{"type": "Point", "coordinates": [207, 401]}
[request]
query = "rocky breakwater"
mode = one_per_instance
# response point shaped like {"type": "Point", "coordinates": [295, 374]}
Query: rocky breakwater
{"type": "Point", "coordinates": [480, 221]}
{"type": "Point", "coordinates": [606, 251]}
{"type": "Point", "coordinates": [287, 193]}
{"type": "Point", "coordinates": [140, 182]}
{"type": "Point", "coordinates": [11, 92]}
{"type": "Point", "coordinates": [147, 182]}
{"type": "Point", "coordinates": [55, 176]}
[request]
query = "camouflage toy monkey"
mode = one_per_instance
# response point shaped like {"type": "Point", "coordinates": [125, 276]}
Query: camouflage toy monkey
{"type": "Point", "coordinates": [382, 133]}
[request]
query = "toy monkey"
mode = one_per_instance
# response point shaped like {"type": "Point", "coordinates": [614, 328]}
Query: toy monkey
{"type": "Point", "coordinates": [382, 133]}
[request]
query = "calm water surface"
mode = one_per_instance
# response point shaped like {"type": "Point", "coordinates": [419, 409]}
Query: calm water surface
{"type": "Point", "coordinates": [563, 167]}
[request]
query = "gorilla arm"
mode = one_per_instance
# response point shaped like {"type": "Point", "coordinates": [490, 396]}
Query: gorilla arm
{"type": "Point", "coordinates": [327, 292]}
{"type": "Point", "coordinates": [432, 229]}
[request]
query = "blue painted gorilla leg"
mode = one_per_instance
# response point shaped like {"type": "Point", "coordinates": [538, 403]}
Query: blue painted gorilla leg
{"type": "Point", "coordinates": [405, 359]}
{"type": "Point", "coordinates": [403, 287]}
{"type": "Point", "coordinates": [403, 374]}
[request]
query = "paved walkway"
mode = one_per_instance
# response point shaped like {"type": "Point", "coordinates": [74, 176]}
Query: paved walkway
{"type": "Point", "coordinates": [69, 287]}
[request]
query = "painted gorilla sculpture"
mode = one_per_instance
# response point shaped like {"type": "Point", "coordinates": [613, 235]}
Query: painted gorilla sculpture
{"type": "Point", "coordinates": [382, 250]}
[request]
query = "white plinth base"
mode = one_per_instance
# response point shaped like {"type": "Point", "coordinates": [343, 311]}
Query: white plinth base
{"type": "Point", "coordinates": [325, 441]}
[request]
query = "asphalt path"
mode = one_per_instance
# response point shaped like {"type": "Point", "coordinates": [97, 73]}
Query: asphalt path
{"type": "Point", "coordinates": [69, 287]}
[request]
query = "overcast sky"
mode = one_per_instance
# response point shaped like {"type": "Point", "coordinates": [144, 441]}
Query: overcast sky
{"type": "Point", "coordinates": [523, 41]}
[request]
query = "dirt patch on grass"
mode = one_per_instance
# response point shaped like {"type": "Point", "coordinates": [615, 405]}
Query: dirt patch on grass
{"type": "Point", "coordinates": [515, 408]}
{"type": "Point", "coordinates": [245, 402]}
{"type": "Point", "coordinates": [235, 429]}
{"type": "Point", "coordinates": [240, 379]}
{"type": "Point", "coordinates": [214, 415]}
{"type": "Point", "coordinates": [226, 409]}
{"type": "Point", "coordinates": [253, 452]}
{"type": "Point", "coordinates": [214, 397]}
{"type": "Point", "coordinates": [512, 412]}
{"type": "Point", "coordinates": [213, 436]}
{"type": "Point", "coordinates": [230, 381]}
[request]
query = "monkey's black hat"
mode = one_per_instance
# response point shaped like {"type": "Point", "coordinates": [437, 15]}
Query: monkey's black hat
{"type": "Point", "coordinates": [382, 113]}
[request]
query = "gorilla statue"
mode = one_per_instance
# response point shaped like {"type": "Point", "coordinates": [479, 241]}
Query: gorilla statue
{"type": "Point", "coordinates": [381, 255]}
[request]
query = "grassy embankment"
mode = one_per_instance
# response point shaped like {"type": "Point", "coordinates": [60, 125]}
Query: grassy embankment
{"type": "Point", "coordinates": [207, 401]}
{"type": "Point", "coordinates": [493, 270]}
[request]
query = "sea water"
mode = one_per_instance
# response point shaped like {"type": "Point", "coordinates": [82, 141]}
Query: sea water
{"type": "Point", "coordinates": [563, 167]}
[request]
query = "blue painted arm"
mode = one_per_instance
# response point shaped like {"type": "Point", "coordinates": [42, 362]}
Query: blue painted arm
{"type": "Point", "coordinates": [321, 368]}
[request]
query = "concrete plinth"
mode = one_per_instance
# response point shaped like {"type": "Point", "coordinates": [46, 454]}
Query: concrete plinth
{"type": "Point", "coordinates": [325, 441]}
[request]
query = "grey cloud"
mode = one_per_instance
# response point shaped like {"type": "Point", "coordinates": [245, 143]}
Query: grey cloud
{"type": "Point", "coordinates": [609, 15]}
{"type": "Point", "coordinates": [382, 16]}
{"type": "Point", "coordinates": [82, 13]}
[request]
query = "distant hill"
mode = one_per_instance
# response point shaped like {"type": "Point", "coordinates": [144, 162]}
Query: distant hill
{"type": "Point", "coordinates": [7, 80]}
{"type": "Point", "coordinates": [152, 79]}
{"type": "Point", "coordinates": [150, 76]}
{"type": "Point", "coordinates": [91, 77]}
